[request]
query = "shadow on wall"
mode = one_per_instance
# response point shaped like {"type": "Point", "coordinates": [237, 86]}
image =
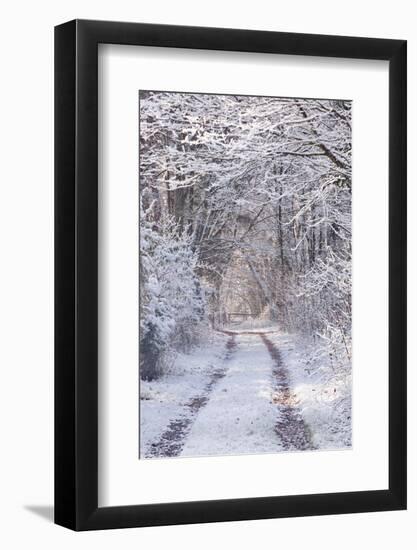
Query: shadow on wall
{"type": "Point", "coordinates": [45, 512]}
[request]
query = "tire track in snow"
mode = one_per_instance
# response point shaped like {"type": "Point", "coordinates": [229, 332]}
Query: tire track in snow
{"type": "Point", "coordinates": [290, 426]}
{"type": "Point", "coordinates": [173, 438]}
{"type": "Point", "coordinates": [240, 417]}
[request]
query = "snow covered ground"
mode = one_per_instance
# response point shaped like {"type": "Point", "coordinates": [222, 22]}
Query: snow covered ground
{"type": "Point", "coordinates": [245, 393]}
{"type": "Point", "coordinates": [324, 397]}
{"type": "Point", "coordinates": [166, 399]}
{"type": "Point", "coordinates": [240, 416]}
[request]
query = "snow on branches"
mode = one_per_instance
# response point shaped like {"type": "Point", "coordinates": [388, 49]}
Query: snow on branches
{"type": "Point", "coordinates": [171, 296]}
{"type": "Point", "coordinates": [250, 197]}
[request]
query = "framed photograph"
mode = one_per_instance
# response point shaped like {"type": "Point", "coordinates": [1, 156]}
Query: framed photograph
{"type": "Point", "coordinates": [230, 253]}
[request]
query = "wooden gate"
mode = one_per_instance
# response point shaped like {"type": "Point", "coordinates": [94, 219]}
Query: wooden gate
{"type": "Point", "coordinates": [240, 316]}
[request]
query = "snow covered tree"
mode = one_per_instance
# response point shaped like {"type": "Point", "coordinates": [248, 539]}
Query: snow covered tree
{"type": "Point", "coordinates": [172, 301]}
{"type": "Point", "coordinates": [249, 197]}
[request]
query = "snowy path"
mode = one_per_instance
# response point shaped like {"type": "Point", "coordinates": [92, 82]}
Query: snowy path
{"type": "Point", "coordinates": [240, 416]}
{"type": "Point", "coordinates": [246, 407]}
{"type": "Point", "coordinates": [172, 439]}
{"type": "Point", "coordinates": [290, 425]}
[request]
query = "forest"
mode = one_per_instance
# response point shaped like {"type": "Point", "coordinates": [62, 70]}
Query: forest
{"type": "Point", "coordinates": [245, 224]}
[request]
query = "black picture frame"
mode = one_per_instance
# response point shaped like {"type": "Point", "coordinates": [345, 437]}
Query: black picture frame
{"type": "Point", "coordinates": [76, 272]}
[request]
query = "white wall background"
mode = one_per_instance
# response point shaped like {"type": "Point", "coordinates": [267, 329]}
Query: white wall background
{"type": "Point", "coordinates": [26, 289]}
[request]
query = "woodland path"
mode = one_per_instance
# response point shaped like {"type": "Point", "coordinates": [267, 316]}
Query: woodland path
{"type": "Point", "coordinates": [247, 407]}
